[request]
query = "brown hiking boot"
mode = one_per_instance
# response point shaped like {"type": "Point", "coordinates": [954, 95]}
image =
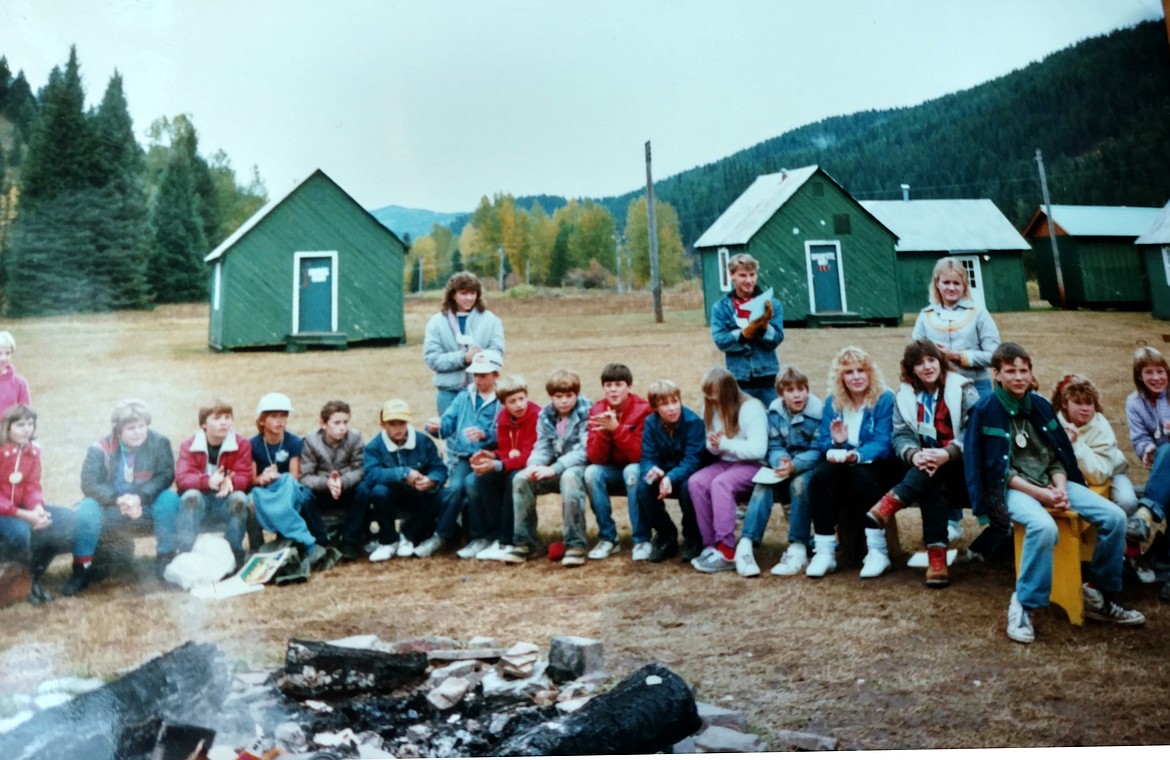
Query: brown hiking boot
{"type": "Point", "coordinates": [883, 512]}
{"type": "Point", "coordinates": [936, 567]}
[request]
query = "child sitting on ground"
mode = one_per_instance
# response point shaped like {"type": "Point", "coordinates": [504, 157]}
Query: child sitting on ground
{"type": "Point", "coordinates": [283, 506]}
{"type": "Point", "coordinates": [673, 448]}
{"type": "Point", "coordinates": [404, 473]}
{"type": "Point", "coordinates": [32, 533]}
{"type": "Point", "coordinates": [557, 465]}
{"type": "Point", "coordinates": [13, 387]}
{"type": "Point", "coordinates": [614, 449]}
{"type": "Point", "coordinates": [793, 420]}
{"type": "Point", "coordinates": [331, 468]}
{"type": "Point", "coordinates": [497, 469]}
{"type": "Point", "coordinates": [1016, 426]}
{"type": "Point", "coordinates": [468, 426]}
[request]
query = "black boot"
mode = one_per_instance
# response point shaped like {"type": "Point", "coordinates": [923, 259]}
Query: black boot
{"type": "Point", "coordinates": [37, 595]}
{"type": "Point", "coordinates": [79, 581]}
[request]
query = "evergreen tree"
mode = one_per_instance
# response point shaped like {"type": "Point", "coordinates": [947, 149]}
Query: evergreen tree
{"type": "Point", "coordinates": [5, 83]}
{"type": "Point", "coordinates": [176, 267]}
{"type": "Point", "coordinates": [456, 261]}
{"type": "Point", "coordinates": [61, 152]}
{"type": "Point", "coordinates": [560, 262]}
{"type": "Point", "coordinates": [21, 107]}
{"type": "Point", "coordinates": [122, 239]}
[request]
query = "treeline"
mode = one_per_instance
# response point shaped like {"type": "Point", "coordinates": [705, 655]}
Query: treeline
{"type": "Point", "coordinates": [1099, 111]}
{"type": "Point", "coordinates": [580, 244]}
{"type": "Point", "coordinates": [91, 221]}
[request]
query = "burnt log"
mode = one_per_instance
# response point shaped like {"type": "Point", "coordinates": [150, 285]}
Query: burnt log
{"type": "Point", "coordinates": [122, 719]}
{"type": "Point", "coordinates": [314, 669]}
{"type": "Point", "coordinates": [648, 712]}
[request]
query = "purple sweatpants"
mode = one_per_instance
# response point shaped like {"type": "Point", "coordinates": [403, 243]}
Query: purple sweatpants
{"type": "Point", "coordinates": [714, 490]}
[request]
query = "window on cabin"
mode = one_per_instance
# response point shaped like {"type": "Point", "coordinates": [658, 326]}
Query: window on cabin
{"type": "Point", "coordinates": [842, 224]}
{"type": "Point", "coordinates": [969, 266]}
{"type": "Point", "coordinates": [1166, 262]}
{"type": "Point", "coordinates": [721, 257]}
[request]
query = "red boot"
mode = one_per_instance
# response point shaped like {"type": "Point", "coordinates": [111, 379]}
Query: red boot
{"type": "Point", "coordinates": [936, 567]}
{"type": "Point", "coordinates": [883, 512]}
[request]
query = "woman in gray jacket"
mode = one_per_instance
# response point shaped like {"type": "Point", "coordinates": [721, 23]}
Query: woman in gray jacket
{"type": "Point", "coordinates": [453, 337]}
{"type": "Point", "coordinates": [964, 332]}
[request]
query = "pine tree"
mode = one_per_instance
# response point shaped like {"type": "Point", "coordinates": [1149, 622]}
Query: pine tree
{"type": "Point", "coordinates": [456, 261]}
{"type": "Point", "coordinates": [176, 267]}
{"type": "Point", "coordinates": [122, 238]}
{"type": "Point", "coordinates": [21, 107]}
{"type": "Point", "coordinates": [560, 262]}
{"type": "Point", "coordinates": [61, 152]}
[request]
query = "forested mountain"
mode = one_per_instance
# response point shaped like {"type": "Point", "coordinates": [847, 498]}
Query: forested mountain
{"type": "Point", "coordinates": [1099, 111]}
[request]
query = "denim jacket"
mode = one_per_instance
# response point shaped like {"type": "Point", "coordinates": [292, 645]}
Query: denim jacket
{"type": "Point", "coordinates": [747, 359]}
{"type": "Point", "coordinates": [387, 463]}
{"type": "Point", "coordinates": [462, 414]}
{"type": "Point", "coordinates": [561, 453]}
{"type": "Point", "coordinates": [877, 430]}
{"type": "Point", "coordinates": [794, 435]}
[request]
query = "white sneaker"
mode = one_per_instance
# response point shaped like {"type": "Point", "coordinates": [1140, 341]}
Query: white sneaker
{"type": "Point", "coordinates": [794, 560]}
{"type": "Point", "coordinates": [429, 547]}
{"type": "Point", "coordinates": [1019, 626]}
{"type": "Point", "coordinates": [384, 552]}
{"type": "Point", "coordinates": [745, 560]}
{"type": "Point", "coordinates": [642, 551]}
{"type": "Point", "coordinates": [824, 559]}
{"type": "Point", "coordinates": [497, 552]}
{"type": "Point", "coordinates": [703, 555]}
{"type": "Point", "coordinates": [714, 562]}
{"type": "Point", "coordinates": [473, 548]}
{"type": "Point", "coordinates": [604, 549]}
{"type": "Point", "coordinates": [954, 530]}
{"type": "Point", "coordinates": [405, 547]}
{"type": "Point", "coordinates": [874, 565]}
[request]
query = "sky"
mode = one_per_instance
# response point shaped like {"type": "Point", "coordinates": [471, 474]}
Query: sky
{"type": "Point", "coordinates": [434, 104]}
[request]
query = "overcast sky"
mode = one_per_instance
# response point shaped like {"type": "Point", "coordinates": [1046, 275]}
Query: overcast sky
{"type": "Point", "coordinates": [434, 104]}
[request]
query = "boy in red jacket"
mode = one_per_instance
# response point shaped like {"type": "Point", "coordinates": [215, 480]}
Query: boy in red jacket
{"type": "Point", "coordinates": [614, 450]}
{"type": "Point", "coordinates": [515, 437]}
{"type": "Point", "coordinates": [212, 476]}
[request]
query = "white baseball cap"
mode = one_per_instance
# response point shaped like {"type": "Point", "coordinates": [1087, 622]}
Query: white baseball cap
{"type": "Point", "coordinates": [487, 360]}
{"type": "Point", "coordinates": [273, 402]}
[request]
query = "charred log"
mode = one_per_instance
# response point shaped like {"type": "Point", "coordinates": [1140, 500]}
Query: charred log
{"type": "Point", "coordinates": [122, 719]}
{"type": "Point", "coordinates": [314, 669]}
{"type": "Point", "coordinates": [648, 712]}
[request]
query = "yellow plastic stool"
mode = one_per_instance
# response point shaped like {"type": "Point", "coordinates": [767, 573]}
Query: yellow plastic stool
{"type": "Point", "coordinates": [1075, 541]}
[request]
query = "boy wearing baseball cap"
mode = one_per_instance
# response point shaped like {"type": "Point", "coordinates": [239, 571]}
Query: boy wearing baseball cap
{"type": "Point", "coordinates": [404, 473]}
{"type": "Point", "coordinates": [468, 425]}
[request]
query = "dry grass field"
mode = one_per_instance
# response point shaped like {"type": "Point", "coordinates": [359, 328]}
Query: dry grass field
{"type": "Point", "coordinates": [884, 664]}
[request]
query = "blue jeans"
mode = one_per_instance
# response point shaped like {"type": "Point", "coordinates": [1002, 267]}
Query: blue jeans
{"type": "Point", "coordinates": [162, 516]}
{"type": "Point", "coordinates": [285, 515]}
{"type": "Point", "coordinates": [460, 497]}
{"type": "Point", "coordinates": [197, 507]}
{"type": "Point", "coordinates": [571, 485]}
{"type": "Point", "coordinates": [601, 480]}
{"type": "Point", "coordinates": [35, 549]}
{"type": "Point", "coordinates": [759, 509]}
{"type": "Point", "coordinates": [443, 398]}
{"type": "Point", "coordinates": [1034, 585]}
{"type": "Point", "coordinates": [652, 511]}
{"type": "Point", "coordinates": [1157, 492]}
{"type": "Point", "coordinates": [766, 394]}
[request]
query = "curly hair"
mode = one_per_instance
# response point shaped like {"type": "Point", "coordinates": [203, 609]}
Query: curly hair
{"type": "Point", "coordinates": [462, 281]}
{"type": "Point", "coordinates": [848, 357]}
{"type": "Point", "coordinates": [1078, 388]}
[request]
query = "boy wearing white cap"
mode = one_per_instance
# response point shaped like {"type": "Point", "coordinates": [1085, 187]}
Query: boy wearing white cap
{"type": "Point", "coordinates": [283, 506]}
{"type": "Point", "coordinates": [468, 425]}
{"type": "Point", "coordinates": [404, 473]}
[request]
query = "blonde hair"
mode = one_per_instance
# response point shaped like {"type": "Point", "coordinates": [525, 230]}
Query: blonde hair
{"type": "Point", "coordinates": [509, 386]}
{"type": "Point", "coordinates": [661, 391]}
{"type": "Point", "coordinates": [721, 384]}
{"type": "Point", "coordinates": [948, 264]}
{"type": "Point", "coordinates": [1147, 356]}
{"type": "Point", "coordinates": [6, 339]}
{"type": "Point", "coordinates": [848, 357]}
{"type": "Point", "coordinates": [742, 261]}
{"type": "Point", "coordinates": [127, 411]}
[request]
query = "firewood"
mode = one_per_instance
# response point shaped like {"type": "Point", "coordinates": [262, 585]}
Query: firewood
{"type": "Point", "coordinates": [314, 669]}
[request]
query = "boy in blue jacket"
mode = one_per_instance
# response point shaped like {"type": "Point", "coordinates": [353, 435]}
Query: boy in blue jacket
{"type": "Point", "coordinates": [748, 343]}
{"type": "Point", "coordinates": [674, 445]}
{"type": "Point", "coordinates": [404, 473]}
{"type": "Point", "coordinates": [468, 426]}
{"type": "Point", "coordinates": [1020, 466]}
{"type": "Point", "coordinates": [793, 421]}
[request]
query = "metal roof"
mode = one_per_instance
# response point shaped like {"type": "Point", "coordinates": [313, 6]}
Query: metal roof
{"type": "Point", "coordinates": [754, 207]}
{"type": "Point", "coordinates": [1101, 221]}
{"type": "Point", "coordinates": [1159, 231]}
{"type": "Point", "coordinates": [947, 225]}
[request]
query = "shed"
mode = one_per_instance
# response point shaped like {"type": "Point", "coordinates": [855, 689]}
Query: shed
{"type": "Point", "coordinates": [1154, 245]}
{"type": "Point", "coordinates": [972, 230]}
{"type": "Point", "coordinates": [1099, 263]}
{"type": "Point", "coordinates": [828, 259]}
{"type": "Point", "coordinates": [309, 268]}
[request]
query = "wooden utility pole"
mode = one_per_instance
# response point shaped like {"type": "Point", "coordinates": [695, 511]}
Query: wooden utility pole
{"type": "Point", "coordinates": [617, 254]}
{"type": "Point", "coordinates": [1051, 229]}
{"type": "Point", "coordinates": [420, 274]}
{"type": "Point", "coordinates": [501, 252]}
{"type": "Point", "coordinates": [652, 229]}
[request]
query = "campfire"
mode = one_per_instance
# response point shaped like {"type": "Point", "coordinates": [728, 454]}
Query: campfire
{"type": "Point", "coordinates": [365, 698]}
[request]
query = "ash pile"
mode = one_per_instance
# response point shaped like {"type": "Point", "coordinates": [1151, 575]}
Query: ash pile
{"type": "Point", "coordinates": [365, 698]}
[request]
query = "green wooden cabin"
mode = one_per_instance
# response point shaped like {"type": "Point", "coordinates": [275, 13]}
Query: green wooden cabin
{"type": "Point", "coordinates": [1100, 265]}
{"type": "Point", "coordinates": [972, 230]}
{"type": "Point", "coordinates": [1154, 245]}
{"type": "Point", "coordinates": [312, 268]}
{"type": "Point", "coordinates": [828, 259]}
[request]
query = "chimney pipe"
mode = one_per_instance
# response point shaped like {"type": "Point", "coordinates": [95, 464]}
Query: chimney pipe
{"type": "Point", "coordinates": [905, 192]}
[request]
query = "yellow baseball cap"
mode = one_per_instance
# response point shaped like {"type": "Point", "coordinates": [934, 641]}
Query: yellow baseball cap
{"type": "Point", "coordinates": [395, 409]}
